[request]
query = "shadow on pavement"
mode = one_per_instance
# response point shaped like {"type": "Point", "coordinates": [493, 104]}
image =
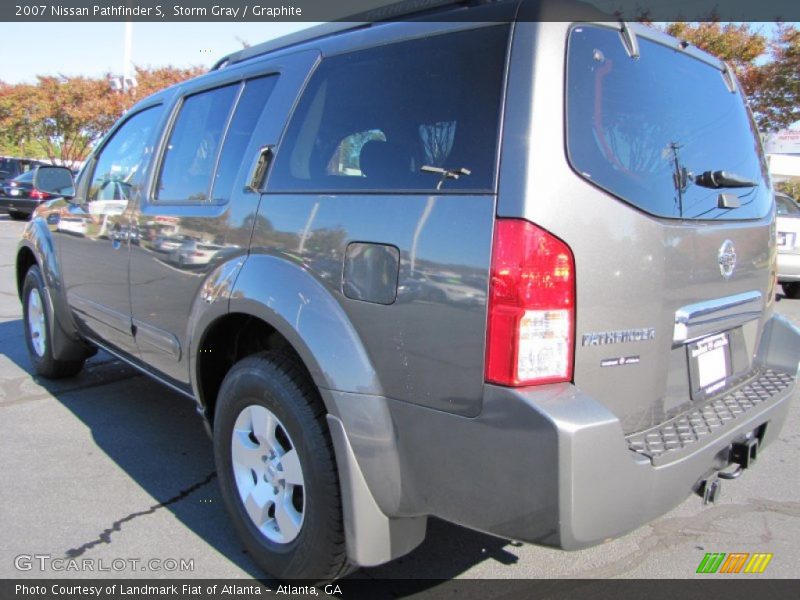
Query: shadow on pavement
{"type": "Point", "coordinates": [157, 438]}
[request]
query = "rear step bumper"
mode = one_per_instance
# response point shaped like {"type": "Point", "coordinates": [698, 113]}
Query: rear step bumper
{"type": "Point", "coordinates": [550, 464]}
{"type": "Point", "coordinates": [609, 484]}
{"type": "Point", "coordinates": [606, 489]}
{"type": "Point", "coordinates": [675, 438]}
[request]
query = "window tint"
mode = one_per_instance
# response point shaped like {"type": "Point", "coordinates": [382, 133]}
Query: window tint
{"type": "Point", "coordinates": [248, 110]}
{"type": "Point", "coordinates": [405, 116]}
{"type": "Point", "coordinates": [193, 145]}
{"type": "Point", "coordinates": [346, 159]}
{"type": "Point", "coordinates": [647, 129]}
{"type": "Point", "coordinates": [123, 157]}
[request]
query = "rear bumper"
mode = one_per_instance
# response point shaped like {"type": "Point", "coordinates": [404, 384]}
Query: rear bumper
{"type": "Point", "coordinates": [548, 465]}
{"type": "Point", "coordinates": [21, 205]}
{"type": "Point", "coordinates": [788, 267]}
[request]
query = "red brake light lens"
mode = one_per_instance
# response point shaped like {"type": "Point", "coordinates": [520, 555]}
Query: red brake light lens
{"type": "Point", "coordinates": [39, 195]}
{"type": "Point", "coordinates": [531, 325]}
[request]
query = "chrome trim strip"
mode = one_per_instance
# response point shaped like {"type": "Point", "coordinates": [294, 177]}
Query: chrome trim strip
{"type": "Point", "coordinates": [694, 321]}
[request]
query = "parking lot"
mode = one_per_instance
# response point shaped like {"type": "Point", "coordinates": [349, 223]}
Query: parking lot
{"type": "Point", "coordinates": [110, 465]}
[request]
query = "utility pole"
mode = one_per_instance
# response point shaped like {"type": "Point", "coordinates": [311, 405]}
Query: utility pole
{"type": "Point", "coordinates": [126, 82]}
{"type": "Point", "coordinates": [127, 68]}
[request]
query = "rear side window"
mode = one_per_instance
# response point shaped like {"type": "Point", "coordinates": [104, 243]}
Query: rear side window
{"type": "Point", "coordinates": [648, 129]}
{"type": "Point", "coordinates": [191, 152]}
{"type": "Point", "coordinates": [410, 116]}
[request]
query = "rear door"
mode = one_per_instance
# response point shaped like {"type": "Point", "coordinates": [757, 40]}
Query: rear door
{"type": "Point", "coordinates": [383, 190]}
{"type": "Point", "coordinates": [197, 214]}
{"type": "Point", "coordinates": [674, 259]}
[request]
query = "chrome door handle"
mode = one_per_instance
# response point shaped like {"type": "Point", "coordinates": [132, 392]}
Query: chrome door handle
{"type": "Point", "coordinates": [260, 169]}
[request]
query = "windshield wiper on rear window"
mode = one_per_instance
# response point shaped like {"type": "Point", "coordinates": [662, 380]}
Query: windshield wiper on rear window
{"type": "Point", "coordinates": [445, 174]}
{"type": "Point", "coordinates": [722, 179]}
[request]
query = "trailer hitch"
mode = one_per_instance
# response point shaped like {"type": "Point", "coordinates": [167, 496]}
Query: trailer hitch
{"type": "Point", "coordinates": [742, 454]}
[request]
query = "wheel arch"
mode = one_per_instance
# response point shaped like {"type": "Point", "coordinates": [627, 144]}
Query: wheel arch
{"type": "Point", "coordinates": [25, 260]}
{"type": "Point", "coordinates": [275, 304]}
{"type": "Point", "coordinates": [37, 248]}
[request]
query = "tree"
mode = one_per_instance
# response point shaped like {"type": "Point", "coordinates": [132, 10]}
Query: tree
{"type": "Point", "coordinates": [150, 81]}
{"type": "Point", "coordinates": [767, 68]}
{"type": "Point", "coordinates": [778, 93]}
{"type": "Point", "coordinates": [63, 117]}
{"type": "Point", "coordinates": [790, 188]}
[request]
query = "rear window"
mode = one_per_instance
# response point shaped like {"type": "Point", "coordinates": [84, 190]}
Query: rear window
{"type": "Point", "coordinates": [417, 115]}
{"type": "Point", "coordinates": [26, 177]}
{"type": "Point", "coordinates": [9, 168]}
{"type": "Point", "coordinates": [648, 129]}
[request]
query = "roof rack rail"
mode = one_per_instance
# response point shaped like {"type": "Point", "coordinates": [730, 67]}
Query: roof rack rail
{"type": "Point", "coordinates": [391, 10]}
{"type": "Point", "coordinates": [285, 41]}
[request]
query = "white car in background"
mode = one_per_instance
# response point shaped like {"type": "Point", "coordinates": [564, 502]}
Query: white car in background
{"type": "Point", "coordinates": [788, 226]}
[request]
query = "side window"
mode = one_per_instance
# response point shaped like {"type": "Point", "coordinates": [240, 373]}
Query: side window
{"type": "Point", "coordinates": [193, 145]}
{"type": "Point", "coordinates": [123, 157]}
{"type": "Point", "coordinates": [248, 110]}
{"type": "Point", "coordinates": [417, 115]}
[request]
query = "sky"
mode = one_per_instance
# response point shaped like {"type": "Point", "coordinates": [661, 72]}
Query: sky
{"type": "Point", "coordinates": [30, 49]}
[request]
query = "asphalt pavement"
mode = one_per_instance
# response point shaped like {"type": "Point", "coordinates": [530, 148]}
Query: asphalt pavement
{"type": "Point", "coordinates": [116, 471]}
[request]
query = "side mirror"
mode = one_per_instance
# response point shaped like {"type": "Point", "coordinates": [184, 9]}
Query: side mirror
{"type": "Point", "coordinates": [54, 180]}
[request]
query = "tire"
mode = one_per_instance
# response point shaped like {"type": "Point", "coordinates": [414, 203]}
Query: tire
{"type": "Point", "coordinates": [791, 290]}
{"type": "Point", "coordinates": [18, 216]}
{"type": "Point", "coordinates": [36, 322]}
{"type": "Point", "coordinates": [290, 533]}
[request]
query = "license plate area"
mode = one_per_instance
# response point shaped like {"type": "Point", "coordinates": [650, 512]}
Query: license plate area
{"type": "Point", "coordinates": [785, 239]}
{"type": "Point", "coordinates": [710, 365]}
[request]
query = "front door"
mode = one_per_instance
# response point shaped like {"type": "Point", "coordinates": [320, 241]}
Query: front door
{"type": "Point", "coordinates": [94, 231]}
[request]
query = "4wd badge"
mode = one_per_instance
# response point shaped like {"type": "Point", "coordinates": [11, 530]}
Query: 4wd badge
{"type": "Point", "coordinates": [727, 259]}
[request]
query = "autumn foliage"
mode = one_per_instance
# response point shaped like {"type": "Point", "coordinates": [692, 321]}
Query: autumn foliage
{"type": "Point", "coordinates": [767, 67]}
{"type": "Point", "coordinates": [61, 118]}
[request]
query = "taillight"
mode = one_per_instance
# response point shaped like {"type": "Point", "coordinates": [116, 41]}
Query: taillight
{"type": "Point", "coordinates": [39, 195]}
{"type": "Point", "coordinates": [531, 325]}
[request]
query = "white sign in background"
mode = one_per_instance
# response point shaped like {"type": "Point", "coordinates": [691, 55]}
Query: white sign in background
{"type": "Point", "coordinates": [786, 141]}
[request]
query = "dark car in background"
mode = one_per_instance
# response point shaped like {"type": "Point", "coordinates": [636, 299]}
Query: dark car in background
{"type": "Point", "coordinates": [19, 197]}
{"type": "Point", "coordinates": [13, 167]}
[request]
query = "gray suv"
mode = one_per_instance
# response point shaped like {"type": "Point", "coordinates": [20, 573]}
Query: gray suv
{"type": "Point", "coordinates": [517, 275]}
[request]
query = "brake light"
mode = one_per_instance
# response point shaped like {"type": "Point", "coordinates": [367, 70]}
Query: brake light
{"type": "Point", "coordinates": [39, 195]}
{"type": "Point", "coordinates": [531, 325]}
